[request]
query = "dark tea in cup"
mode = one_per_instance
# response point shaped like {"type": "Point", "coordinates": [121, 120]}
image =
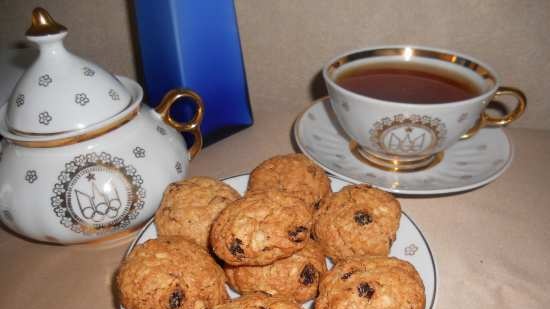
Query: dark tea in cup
{"type": "Point", "coordinates": [408, 82]}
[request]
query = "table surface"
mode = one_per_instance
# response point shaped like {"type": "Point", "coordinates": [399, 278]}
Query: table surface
{"type": "Point", "coordinates": [491, 244]}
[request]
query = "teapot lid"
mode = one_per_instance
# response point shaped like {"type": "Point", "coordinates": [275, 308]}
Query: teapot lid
{"type": "Point", "coordinates": [61, 92]}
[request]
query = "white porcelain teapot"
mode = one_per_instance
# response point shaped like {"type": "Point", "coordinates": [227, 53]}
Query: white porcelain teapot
{"type": "Point", "coordinates": [82, 159]}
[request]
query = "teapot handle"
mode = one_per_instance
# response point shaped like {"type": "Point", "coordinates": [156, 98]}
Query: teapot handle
{"type": "Point", "coordinates": [191, 126]}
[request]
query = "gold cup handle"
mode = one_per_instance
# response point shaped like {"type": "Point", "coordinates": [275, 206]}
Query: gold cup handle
{"type": "Point", "coordinates": [485, 119]}
{"type": "Point", "coordinates": [515, 114]}
{"type": "Point", "coordinates": [191, 126]}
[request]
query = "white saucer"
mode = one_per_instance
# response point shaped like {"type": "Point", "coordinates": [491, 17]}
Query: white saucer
{"type": "Point", "coordinates": [466, 165]}
{"type": "Point", "coordinates": [410, 245]}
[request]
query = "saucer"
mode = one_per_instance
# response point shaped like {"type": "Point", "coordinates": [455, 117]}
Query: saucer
{"type": "Point", "coordinates": [466, 165]}
{"type": "Point", "coordinates": [410, 245]}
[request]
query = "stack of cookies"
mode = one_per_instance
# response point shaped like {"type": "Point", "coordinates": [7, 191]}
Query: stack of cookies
{"type": "Point", "coordinates": [271, 244]}
{"type": "Point", "coordinates": [265, 237]}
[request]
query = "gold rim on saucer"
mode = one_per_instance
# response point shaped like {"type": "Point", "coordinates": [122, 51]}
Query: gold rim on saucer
{"type": "Point", "coordinates": [394, 165]}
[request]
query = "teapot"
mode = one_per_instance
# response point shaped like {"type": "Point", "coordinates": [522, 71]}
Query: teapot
{"type": "Point", "coordinates": [81, 158]}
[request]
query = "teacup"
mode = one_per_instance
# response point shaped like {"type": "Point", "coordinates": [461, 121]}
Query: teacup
{"type": "Point", "coordinates": [402, 106]}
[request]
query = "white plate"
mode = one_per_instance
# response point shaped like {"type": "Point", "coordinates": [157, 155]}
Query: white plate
{"type": "Point", "coordinates": [410, 244]}
{"type": "Point", "coordinates": [466, 165]}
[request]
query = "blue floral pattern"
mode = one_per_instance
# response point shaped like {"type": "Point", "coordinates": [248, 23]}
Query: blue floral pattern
{"type": "Point", "coordinates": [139, 152]}
{"type": "Point", "coordinates": [44, 118]}
{"type": "Point", "coordinates": [161, 130]}
{"type": "Point", "coordinates": [114, 95]}
{"type": "Point", "coordinates": [20, 100]}
{"type": "Point", "coordinates": [179, 167]}
{"type": "Point", "coordinates": [45, 80]}
{"type": "Point", "coordinates": [31, 176]}
{"type": "Point", "coordinates": [81, 99]}
{"type": "Point", "coordinates": [411, 249]}
{"type": "Point", "coordinates": [88, 71]}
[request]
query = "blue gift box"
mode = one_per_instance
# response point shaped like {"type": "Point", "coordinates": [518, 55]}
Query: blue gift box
{"type": "Point", "coordinates": [195, 44]}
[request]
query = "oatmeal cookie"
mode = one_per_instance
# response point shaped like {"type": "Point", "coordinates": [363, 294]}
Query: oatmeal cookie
{"type": "Point", "coordinates": [357, 220]}
{"type": "Point", "coordinates": [189, 207]}
{"type": "Point", "coordinates": [259, 301]}
{"type": "Point", "coordinates": [293, 173]}
{"type": "Point", "coordinates": [295, 277]}
{"type": "Point", "coordinates": [371, 283]}
{"type": "Point", "coordinates": [170, 272]}
{"type": "Point", "coordinates": [260, 228]}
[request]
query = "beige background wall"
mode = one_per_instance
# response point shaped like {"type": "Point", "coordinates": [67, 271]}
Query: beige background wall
{"type": "Point", "coordinates": [286, 42]}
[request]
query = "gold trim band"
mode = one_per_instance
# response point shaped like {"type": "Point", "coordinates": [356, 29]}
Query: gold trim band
{"type": "Point", "coordinates": [416, 52]}
{"type": "Point", "coordinates": [77, 138]}
{"type": "Point", "coordinates": [19, 132]}
{"type": "Point", "coordinates": [394, 165]}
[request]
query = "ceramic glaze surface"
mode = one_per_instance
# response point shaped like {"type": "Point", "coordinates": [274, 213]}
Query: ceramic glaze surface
{"type": "Point", "coordinates": [400, 130]}
{"type": "Point", "coordinates": [465, 165]}
{"type": "Point", "coordinates": [88, 190]}
{"type": "Point", "coordinates": [62, 92]}
{"type": "Point", "coordinates": [81, 160]}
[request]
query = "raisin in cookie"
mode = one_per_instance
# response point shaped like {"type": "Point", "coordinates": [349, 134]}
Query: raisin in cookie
{"type": "Point", "coordinates": [293, 173]}
{"type": "Point", "coordinates": [189, 207]}
{"type": "Point", "coordinates": [358, 220]}
{"type": "Point", "coordinates": [170, 272]}
{"type": "Point", "coordinates": [259, 301]}
{"type": "Point", "coordinates": [295, 277]}
{"type": "Point", "coordinates": [260, 228]}
{"type": "Point", "coordinates": [371, 283]}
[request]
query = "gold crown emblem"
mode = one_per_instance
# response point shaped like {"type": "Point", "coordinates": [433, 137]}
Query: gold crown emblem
{"type": "Point", "coordinates": [407, 144]}
{"type": "Point", "coordinates": [99, 204]}
{"type": "Point", "coordinates": [414, 134]}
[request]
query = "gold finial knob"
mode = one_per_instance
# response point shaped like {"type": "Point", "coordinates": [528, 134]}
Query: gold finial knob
{"type": "Point", "coordinates": [43, 24]}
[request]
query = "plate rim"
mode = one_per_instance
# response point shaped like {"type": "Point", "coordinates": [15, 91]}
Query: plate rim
{"type": "Point", "coordinates": [427, 192]}
{"type": "Point", "coordinates": [416, 226]}
{"type": "Point", "coordinates": [432, 256]}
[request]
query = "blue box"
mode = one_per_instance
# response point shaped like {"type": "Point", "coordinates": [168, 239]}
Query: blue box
{"type": "Point", "coordinates": [195, 44]}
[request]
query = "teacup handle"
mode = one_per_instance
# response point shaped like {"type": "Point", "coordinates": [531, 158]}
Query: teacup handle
{"type": "Point", "coordinates": [485, 119]}
{"type": "Point", "coordinates": [191, 126]}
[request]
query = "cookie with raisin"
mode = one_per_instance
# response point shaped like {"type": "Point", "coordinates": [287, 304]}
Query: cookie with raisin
{"type": "Point", "coordinates": [170, 272]}
{"type": "Point", "coordinates": [358, 220]}
{"type": "Point", "coordinates": [260, 228]}
{"type": "Point", "coordinates": [295, 277]}
{"type": "Point", "coordinates": [292, 173]}
{"type": "Point", "coordinates": [259, 301]}
{"type": "Point", "coordinates": [371, 283]}
{"type": "Point", "coordinates": [189, 207]}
